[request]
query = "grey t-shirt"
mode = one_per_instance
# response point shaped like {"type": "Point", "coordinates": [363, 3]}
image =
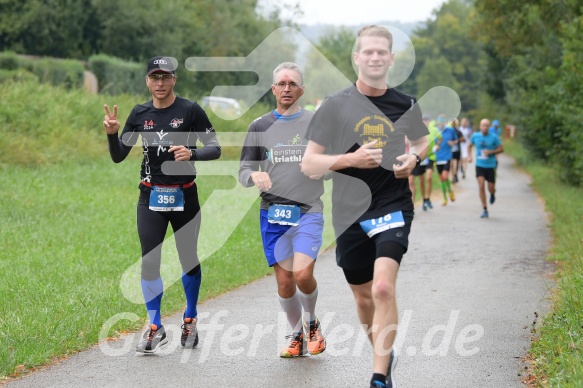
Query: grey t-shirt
{"type": "Point", "coordinates": [277, 146]}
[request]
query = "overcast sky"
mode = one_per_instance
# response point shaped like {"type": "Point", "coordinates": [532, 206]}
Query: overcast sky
{"type": "Point", "coordinates": [351, 12]}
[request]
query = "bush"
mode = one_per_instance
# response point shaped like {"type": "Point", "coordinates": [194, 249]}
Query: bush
{"type": "Point", "coordinates": [58, 72]}
{"type": "Point", "coordinates": [9, 60]}
{"type": "Point", "coordinates": [17, 75]}
{"type": "Point", "coordinates": [116, 76]}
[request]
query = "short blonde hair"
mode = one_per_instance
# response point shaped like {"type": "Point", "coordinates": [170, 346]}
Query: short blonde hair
{"type": "Point", "coordinates": [374, 30]}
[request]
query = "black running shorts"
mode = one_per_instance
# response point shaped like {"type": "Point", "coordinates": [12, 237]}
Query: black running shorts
{"type": "Point", "coordinates": [356, 252]}
{"type": "Point", "coordinates": [443, 166]}
{"type": "Point", "coordinates": [418, 171]}
{"type": "Point", "coordinates": [489, 174]}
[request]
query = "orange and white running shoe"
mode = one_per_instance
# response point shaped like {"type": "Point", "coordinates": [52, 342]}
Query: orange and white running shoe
{"type": "Point", "coordinates": [296, 347]}
{"type": "Point", "coordinates": [316, 341]}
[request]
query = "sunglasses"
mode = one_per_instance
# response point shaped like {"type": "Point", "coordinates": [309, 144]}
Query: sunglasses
{"type": "Point", "coordinates": [163, 77]}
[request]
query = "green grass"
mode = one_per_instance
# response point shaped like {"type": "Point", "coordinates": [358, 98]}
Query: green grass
{"type": "Point", "coordinates": [44, 125]}
{"type": "Point", "coordinates": [67, 236]}
{"type": "Point", "coordinates": [557, 352]}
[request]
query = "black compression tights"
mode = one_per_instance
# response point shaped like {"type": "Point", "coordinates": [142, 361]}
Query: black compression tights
{"type": "Point", "coordinates": [152, 226]}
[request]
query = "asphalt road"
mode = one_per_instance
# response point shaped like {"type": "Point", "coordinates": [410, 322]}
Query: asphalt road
{"type": "Point", "coordinates": [468, 290]}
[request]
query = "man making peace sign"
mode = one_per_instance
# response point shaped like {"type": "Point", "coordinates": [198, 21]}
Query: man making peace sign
{"type": "Point", "coordinates": [169, 126]}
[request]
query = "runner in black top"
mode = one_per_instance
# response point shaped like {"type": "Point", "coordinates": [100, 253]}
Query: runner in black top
{"type": "Point", "coordinates": [360, 134]}
{"type": "Point", "coordinates": [169, 127]}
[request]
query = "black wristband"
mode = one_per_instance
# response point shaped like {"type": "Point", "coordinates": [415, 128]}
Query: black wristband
{"type": "Point", "coordinates": [417, 159]}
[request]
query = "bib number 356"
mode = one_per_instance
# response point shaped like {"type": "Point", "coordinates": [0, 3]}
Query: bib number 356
{"type": "Point", "coordinates": [166, 199]}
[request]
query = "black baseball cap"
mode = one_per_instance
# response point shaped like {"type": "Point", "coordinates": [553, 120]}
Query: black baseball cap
{"type": "Point", "coordinates": [165, 64]}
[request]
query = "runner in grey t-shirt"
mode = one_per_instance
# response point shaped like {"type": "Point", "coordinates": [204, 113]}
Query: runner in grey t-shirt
{"type": "Point", "coordinates": [291, 210]}
{"type": "Point", "coordinates": [275, 144]}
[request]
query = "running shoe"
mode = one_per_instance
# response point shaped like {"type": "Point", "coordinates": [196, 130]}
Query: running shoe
{"type": "Point", "coordinates": [455, 180]}
{"type": "Point", "coordinates": [377, 384]}
{"type": "Point", "coordinates": [316, 342]}
{"type": "Point", "coordinates": [452, 196]}
{"type": "Point", "coordinates": [153, 338]}
{"type": "Point", "coordinates": [390, 379]}
{"type": "Point", "coordinates": [189, 336]}
{"type": "Point", "coordinates": [296, 347]}
{"type": "Point", "coordinates": [444, 202]}
{"type": "Point", "coordinates": [425, 206]}
{"type": "Point", "coordinates": [429, 204]}
{"type": "Point", "coordinates": [484, 214]}
{"type": "Point", "coordinates": [492, 199]}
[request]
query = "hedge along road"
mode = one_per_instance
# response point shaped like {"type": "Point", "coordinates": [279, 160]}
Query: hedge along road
{"type": "Point", "coordinates": [468, 293]}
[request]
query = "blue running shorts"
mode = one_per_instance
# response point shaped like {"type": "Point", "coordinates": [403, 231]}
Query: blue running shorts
{"type": "Point", "coordinates": [281, 241]}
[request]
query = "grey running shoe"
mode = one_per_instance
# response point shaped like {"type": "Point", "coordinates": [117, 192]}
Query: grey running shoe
{"type": "Point", "coordinates": [189, 337]}
{"type": "Point", "coordinates": [153, 338]}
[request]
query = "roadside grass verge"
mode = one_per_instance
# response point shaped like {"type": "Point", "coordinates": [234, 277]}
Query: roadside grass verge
{"type": "Point", "coordinates": [557, 350]}
{"type": "Point", "coordinates": [68, 234]}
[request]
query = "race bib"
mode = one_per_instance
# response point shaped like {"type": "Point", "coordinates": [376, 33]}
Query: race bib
{"type": "Point", "coordinates": [380, 224]}
{"type": "Point", "coordinates": [166, 199]}
{"type": "Point", "coordinates": [284, 214]}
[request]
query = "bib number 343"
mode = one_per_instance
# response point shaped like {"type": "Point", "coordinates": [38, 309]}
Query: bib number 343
{"type": "Point", "coordinates": [284, 214]}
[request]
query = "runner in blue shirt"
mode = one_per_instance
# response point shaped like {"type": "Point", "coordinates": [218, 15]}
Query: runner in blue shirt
{"type": "Point", "coordinates": [443, 156]}
{"type": "Point", "coordinates": [495, 128]}
{"type": "Point", "coordinates": [487, 146]}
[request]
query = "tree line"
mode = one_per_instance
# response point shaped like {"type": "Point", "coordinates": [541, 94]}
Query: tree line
{"type": "Point", "coordinates": [520, 61]}
{"type": "Point", "coordinates": [135, 30]}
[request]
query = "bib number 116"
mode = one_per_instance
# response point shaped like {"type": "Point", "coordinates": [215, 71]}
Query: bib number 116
{"type": "Point", "coordinates": [381, 220]}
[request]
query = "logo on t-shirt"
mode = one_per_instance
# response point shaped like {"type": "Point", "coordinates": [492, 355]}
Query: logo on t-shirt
{"type": "Point", "coordinates": [148, 124]}
{"type": "Point", "coordinates": [374, 127]}
{"type": "Point", "coordinates": [290, 151]}
{"type": "Point", "coordinates": [175, 123]}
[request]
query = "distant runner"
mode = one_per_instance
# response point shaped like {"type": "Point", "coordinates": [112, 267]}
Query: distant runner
{"type": "Point", "coordinates": [487, 146]}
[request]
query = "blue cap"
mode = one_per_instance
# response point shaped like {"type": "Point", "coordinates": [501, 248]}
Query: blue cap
{"type": "Point", "coordinates": [441, 119]}
{"type": "Point", "coordinates": [495, 123]}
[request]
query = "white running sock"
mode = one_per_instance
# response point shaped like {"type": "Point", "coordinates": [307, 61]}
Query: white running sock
{"type": "Point", "coordinates": [309, 304]}
{"type": "Point", "coordinates": [293, 309]}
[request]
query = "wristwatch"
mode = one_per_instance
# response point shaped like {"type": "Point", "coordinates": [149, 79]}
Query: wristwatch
{"type": "Point", "coordinates": [418, 159]}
